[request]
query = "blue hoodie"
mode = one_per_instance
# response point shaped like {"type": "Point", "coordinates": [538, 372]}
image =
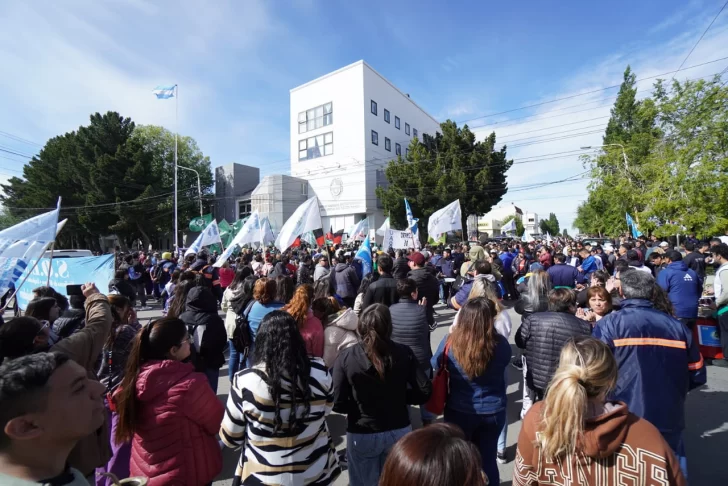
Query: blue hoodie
{"type": "Point", "coordinates": [683, 288]}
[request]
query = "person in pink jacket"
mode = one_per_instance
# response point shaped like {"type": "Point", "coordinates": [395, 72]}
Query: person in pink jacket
{"type": "Point", "coordinates": [168, 411]}
{"type": "Point", "coordinates": [309, 325]}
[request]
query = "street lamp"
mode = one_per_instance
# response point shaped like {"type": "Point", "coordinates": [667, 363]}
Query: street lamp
{"type": "Point", "coordinates": [624, 153]}
{"type": "Point", "coordinates": [199, 186]}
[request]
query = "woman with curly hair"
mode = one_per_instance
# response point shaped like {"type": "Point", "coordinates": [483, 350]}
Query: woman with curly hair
{"type": "Point", "coordinates": [277, 409]}
{"type": "Point", "coordinates": [309, 325]}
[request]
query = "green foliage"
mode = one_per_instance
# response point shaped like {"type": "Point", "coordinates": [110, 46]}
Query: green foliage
{"type": "Point", "coordinates": [550, 225]}
{"type": "Point", "coordinates": [109, 161]}
{"type": "Point", "coordinates": [451, 165]}
{"type": "Point", "coordinates": [7, 220]}
{"type": "Point", "coordinates": [520, 229]}
{"type": "Point", "coordinates": [565, 233]}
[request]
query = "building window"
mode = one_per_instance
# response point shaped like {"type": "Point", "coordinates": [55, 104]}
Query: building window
{"type": "Point", "coordinates": [321, 116]}
{"type": "Point", "coordinates": [304, 189]}
{"type": "Point", "coordinates": [387, 144]}
{"type": "Point", "coordinates": [406, 128]}
{"type": "Point", "coordinates": [406, 152]}
{"type": "Point", "coordinates": [374, 107]}
{"type": "Point", "coordinates": [386, 115]}
{"type": "Point", "coordinates": [397, 149]}
{"type": "Point", "coordinates": [315, 147]}
{"type": "Point", "coordinates": [414, 132]}
{"type": "Point", "coordinates": [375, 138]}
{"type": "Point", "coordinates": [245, 208]}
{"type": "Point", "coordinates": [396, 122]}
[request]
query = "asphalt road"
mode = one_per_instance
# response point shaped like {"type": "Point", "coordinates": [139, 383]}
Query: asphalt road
{"type": "Point", "coordinates": [706, 435]}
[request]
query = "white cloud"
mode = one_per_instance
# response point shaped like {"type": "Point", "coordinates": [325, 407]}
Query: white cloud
{"type": "Point", "coordinates": [567, 125]}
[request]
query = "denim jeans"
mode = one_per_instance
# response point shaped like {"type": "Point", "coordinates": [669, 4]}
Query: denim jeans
{"type": "Point", "coordinates": [235, 363]}
{"type": "Point", "coordinates": [483, 431]}
{"type": "Point", "coordinates": [212, 374]}
{"type": "Point", "coordinates": [502, 438]}
{"type": "Point", "coordinates": [366, 453]}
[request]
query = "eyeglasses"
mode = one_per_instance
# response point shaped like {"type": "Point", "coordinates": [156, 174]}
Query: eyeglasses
{"type": "Point", "coordinates": [43, 327]}
{"type": "Point", "coordinates": [186, 340]}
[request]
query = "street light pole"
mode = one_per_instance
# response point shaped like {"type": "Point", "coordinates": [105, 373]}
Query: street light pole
{"type": "Point", "coordinates": [199, 185]}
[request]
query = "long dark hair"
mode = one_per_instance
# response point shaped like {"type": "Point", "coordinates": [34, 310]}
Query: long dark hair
{"type": "Point", "coordinates": [241, 274]}
{"type": "Point", "coordinates": [152, 343]}
{"type": "Point", "coordinates": [375, 331]}
{"type": "Point", "coordinates": [17, 337]}
{"type": "Point", "coordinates": [117, 304]}
{"type": "Point", "coordinates": [367, 281]}
{"type": "Point", "coordinates": [284, 289]}
{"type": "Point", "coordinates": [40, 308]}
{"type": "Point", "coordinates": [280, 348]}
{"type": "Point", "coordinates": [177, 306]}
{"type": "Point", "coordinates": [323, 288]}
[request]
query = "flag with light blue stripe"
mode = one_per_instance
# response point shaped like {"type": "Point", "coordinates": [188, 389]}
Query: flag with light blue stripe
{"type": "Point", "coordinates": [364, 253]}
{"type": "Point", "coordinates": [164, 92]}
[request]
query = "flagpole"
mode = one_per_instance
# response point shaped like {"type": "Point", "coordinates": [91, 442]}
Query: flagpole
{"type": "Point", "coordinates": [176, 129]}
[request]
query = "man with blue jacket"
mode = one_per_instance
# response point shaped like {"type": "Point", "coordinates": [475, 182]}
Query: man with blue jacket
{"type": "Point", "coordinates": [657, 358]}
{"type": "Point", "coordinates": [561, 274]}
{"type": "Point", "coordinates": [507, 258]}
{"type": "Point", "coordinates": [682, 286]}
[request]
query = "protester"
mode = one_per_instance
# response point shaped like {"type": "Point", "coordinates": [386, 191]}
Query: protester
{"type": "Point", "coordinates": [657, 358]}
{"type": "Point", "coordinates": [167, 410]}
{"type": "Point", "coordinates": [366, 282]}
{"type": "Point", "coordinates": [536, 297]}
{"type": "Point", "coordinates": [309, 325]}
{"type": "Point", "coordinates": [345, 281]}
{"type": "Point", "coordinates": [561, 274]}
{"type": "Point", "coordinates": [136, 278]}
{"type": "Point", "coordinates": [46, 310]}
{"type": "Point", "coordinates": [437, 455]}
{"type": "Point", "coordinates": [543, 335]}
{"type": "Point", "coordinates": [207, 331]}
{"type": "Point", "coordinates": [428, 288]}
{"type": "Point", "coordinates": [110, 371]}
{"type": "Point", "coordinates": [73, 319]}
{"type": "Point", "coordinates": [476, 357]}
{"type": "Point", "coordinates": [322, 269]}
{"type": "Point", "coordinates": [683, 288]}
{"type": "Point", "coordinates": [400, 267]}
{"type": "Point", "coordinates": [384, 289]}
{"type": "Point", "coordinates": [409, 327]}
{"type": "Point", "coordinates": [26, 335]}
{"type": "Point", "coordinates": [576, 428]}
{"type": "Point", "coordinates": [719, 254]}
{"type": "Point", "coordinates": [48, 405]}
{"type": "Point", "coordinates": [227, 274]}
{"type": "Point", "coordinates": [446, 268]}
{"type": "Point", "coordinates": [339, 327]}
{"type": "Point", "coordinates": [599, 303]}
{"type": "Point", "coordinates": [237, 299]}
{"type": "Point", "coordinates": [482, 272]}
{"type": "Point", "coordinates": [695, 260]}
{"type": "Point", "coordinates": [374, 381]}
{"type": "Point", "coordinates": [264, 294]}
{"type": "Point", "coordinates": [285, 286]}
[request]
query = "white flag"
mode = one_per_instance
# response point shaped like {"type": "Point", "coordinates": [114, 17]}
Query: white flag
{"type": "Point", "coordinates": [527, 237]}
{"type": "Point", "coordinates": [266, 233]}
{"type": "Point", "coordinates": [23, 242]}
{"type": "Point", "coordinates": [307, 217]}
{"type": "Point", "coordinates": [360, 230]}
{"type": "Point", "coordinates": [383, 229]}
{"type": "Point", "coordinates": [444, 220]}
{"type": "Point", "coordinates": [209, 236]}
{"type": "Point", "coordinates": [509, 226]}
{"type": "Point", "coordinates": [249, 233]}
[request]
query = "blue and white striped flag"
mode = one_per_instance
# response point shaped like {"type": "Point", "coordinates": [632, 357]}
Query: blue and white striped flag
{"type": "Point", "coordinates": [209, 236]}
{"type": "Point", "coordinates": [164, 92]}
{"type": "Point", "coordinates": [364, 253]}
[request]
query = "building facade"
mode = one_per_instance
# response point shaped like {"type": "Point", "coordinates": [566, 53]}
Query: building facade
{"type": "Point", "coordinates": [345, 127]}
{"type": "Point", "coordinates": [234, 184]}
{"type": "Point", "coordinates": [493, 221]}
{"type": "Point", "coordinates": [278, 196]}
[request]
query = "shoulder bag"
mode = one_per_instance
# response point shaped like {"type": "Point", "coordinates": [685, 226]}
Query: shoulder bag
{"type": "Point", "coordinates": [440, 386]}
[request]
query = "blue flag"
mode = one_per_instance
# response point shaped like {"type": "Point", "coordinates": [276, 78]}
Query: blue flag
{"type": "Point", "coordinates": [364, 253]}
{"type": "Point", "coordinates": [633, 226]}
{"type": "Point", "coordinates": [164, 92]}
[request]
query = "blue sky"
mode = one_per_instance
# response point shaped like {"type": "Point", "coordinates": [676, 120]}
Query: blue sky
{"type": "Point", "coordinates": [235, 62]}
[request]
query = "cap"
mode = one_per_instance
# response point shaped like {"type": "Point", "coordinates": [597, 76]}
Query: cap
{"type": "Point", "coordinates": [664, 244]}
{"type": "Point", "coordinates": [417, 258]}
{"type": "Point", "coordinates": [166, 255]}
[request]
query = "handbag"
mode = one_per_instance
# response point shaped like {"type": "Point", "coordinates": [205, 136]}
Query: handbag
{"type": "Point", "coordinates": [440, 386]}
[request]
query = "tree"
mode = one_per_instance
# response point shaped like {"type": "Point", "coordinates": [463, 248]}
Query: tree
{"type": "Point", "coordinates": [553, 224]}
{"type": "Point", "coordinates": [519, 224]}
{"type": "Point", "coordinates": [451, 165]}
{"type": "Point", "coordinates": [565, 233]}
{"type": "Point", "coordinates": [7, 220]}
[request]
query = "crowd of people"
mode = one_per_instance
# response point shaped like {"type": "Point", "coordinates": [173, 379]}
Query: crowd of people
{"type": "Point", "coordinates": [607, 357]}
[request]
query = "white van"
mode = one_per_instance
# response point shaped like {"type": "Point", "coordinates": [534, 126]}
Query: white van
{"type": "Point", "coordinates": [68, 254]}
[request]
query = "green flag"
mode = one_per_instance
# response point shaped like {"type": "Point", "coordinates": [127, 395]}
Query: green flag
{"type": "Point", "coordinates": [200, 223]}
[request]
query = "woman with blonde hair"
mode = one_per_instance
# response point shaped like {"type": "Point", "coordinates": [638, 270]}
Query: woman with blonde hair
{"type": "Point", "coordinates": [309, 325]}
{"type": "Point", "coordinates": [477, 357]}
{"type": "Point", "coordinates": [577, 429]}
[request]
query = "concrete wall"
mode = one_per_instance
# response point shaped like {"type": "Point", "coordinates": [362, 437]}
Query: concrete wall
{"type": "Point", "coordinates": [278, 196]}
{"type": "Point", "coordinates": [231, 182]}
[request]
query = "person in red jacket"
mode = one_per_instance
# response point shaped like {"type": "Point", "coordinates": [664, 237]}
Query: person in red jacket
{"type": "Point", "coordinates": [168, 410]}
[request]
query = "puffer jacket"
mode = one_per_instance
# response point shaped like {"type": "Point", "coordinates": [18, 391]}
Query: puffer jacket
{"type": "Point", "coordinates": [84, 347]}
{"type": "Point", "coordinates": [71, 321]}
{"type": "Point", "coordinates": [383, 291]}
{"type": "Point", "coordinates": [401, 268]}
{"type": "Point", "coordinates": [427, 286]}
{"type": "Point", "coordinates": [543, 335]}
{"type": "Point", "coordinates": [345, 280]}
{"type": "Point", "coordinates": [177, 420]}
{"type": "Point", "coordinates": [232, 299]}
{"type": "Point", "coordinates": [206, 328]}
{"type": "Point", "coordinates": [409, 327]}
{"type": "Point", "coordinates": [339, 334]}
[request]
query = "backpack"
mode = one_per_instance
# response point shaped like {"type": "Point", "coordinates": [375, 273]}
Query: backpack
{"type": "Point", "coordinates": [241, 334]}
{"type": "Point", "coordinates": [157, 272]}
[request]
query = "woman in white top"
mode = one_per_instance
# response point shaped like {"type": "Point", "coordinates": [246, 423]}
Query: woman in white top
{"type": "Point", "coordinates": [481, 288]}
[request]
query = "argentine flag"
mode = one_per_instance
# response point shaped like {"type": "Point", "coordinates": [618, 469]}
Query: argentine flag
{"type": "Point", "coordinates": [364, 253]}
{"type": "Point", "coordinates": [164, 92]}
{"type": "Point", "coordinates": [209, 236]}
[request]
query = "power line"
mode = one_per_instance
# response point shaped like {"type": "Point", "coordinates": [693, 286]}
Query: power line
{"type": "Point", "coordinates": [701, 38]}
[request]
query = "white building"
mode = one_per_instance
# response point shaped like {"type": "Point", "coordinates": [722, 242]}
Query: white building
{"type": "Point", "coordinates": [345, 127]}
{"type": "Point", "coordinates": [492, 222]}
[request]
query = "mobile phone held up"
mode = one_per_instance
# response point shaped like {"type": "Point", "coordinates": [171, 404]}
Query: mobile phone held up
{"type": "Point", "coordinates": [73, 290]}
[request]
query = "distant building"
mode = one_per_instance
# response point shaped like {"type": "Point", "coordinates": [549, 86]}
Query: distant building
{"type": "Point", "coordinates": [493, 221]}
{"type": "Point", "coordinates": [278, 196]}
{"type": "Point", "coordinates": [234, 184]}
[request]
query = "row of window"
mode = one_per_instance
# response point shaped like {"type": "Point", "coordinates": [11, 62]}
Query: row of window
{"type": "Point", "coordinates": [315, 147]}
{"type": "Point", "coordinates": [318, 117]}
{"type": "Point", "coordinates": [396, 119]}
{"type": "Point", "coordinates": [387, 144]}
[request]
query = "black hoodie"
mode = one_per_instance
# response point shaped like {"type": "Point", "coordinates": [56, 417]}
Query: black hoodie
{"type": "Point", "coordinates": [206, 328]}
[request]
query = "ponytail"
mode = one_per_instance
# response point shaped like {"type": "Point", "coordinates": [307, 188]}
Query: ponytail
{"type": "Point", "coordinates": [375, 329]}
{"type": "Point", "coordinates": [587, 370]}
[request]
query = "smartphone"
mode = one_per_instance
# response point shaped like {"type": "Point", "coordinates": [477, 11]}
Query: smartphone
{"type": "Point", "coordinates": [73, 290]}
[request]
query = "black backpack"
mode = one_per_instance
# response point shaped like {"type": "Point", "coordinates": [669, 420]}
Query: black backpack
{"type": "Point", "coordinates": [241, 335]}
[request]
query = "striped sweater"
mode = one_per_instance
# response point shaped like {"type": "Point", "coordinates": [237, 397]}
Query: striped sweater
{"type": "Point", "coordinates": [284, 457]}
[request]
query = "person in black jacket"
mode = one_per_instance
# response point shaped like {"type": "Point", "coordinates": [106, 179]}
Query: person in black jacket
{"type": "Point", "coordinates": [562, 275]}
{"type": "Point", "coordinates": [374, 381]}
{"type": "Point", "coordinates": [409, 327]}
{"type": "Point", "coordinates": [120, 283]}
{"type": "Point", "coordinates": [73, 319]}
{"type": "Point", "coordinates": [428, 287]}
{"type": "Point", "coordinates": [544, 334]}
{"type": "Point", "coordinates": [384, 290]}
{"type": "Point", "coordinates": [401, 266]}
{"type": "Point", "coordinates": [207, 332]}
